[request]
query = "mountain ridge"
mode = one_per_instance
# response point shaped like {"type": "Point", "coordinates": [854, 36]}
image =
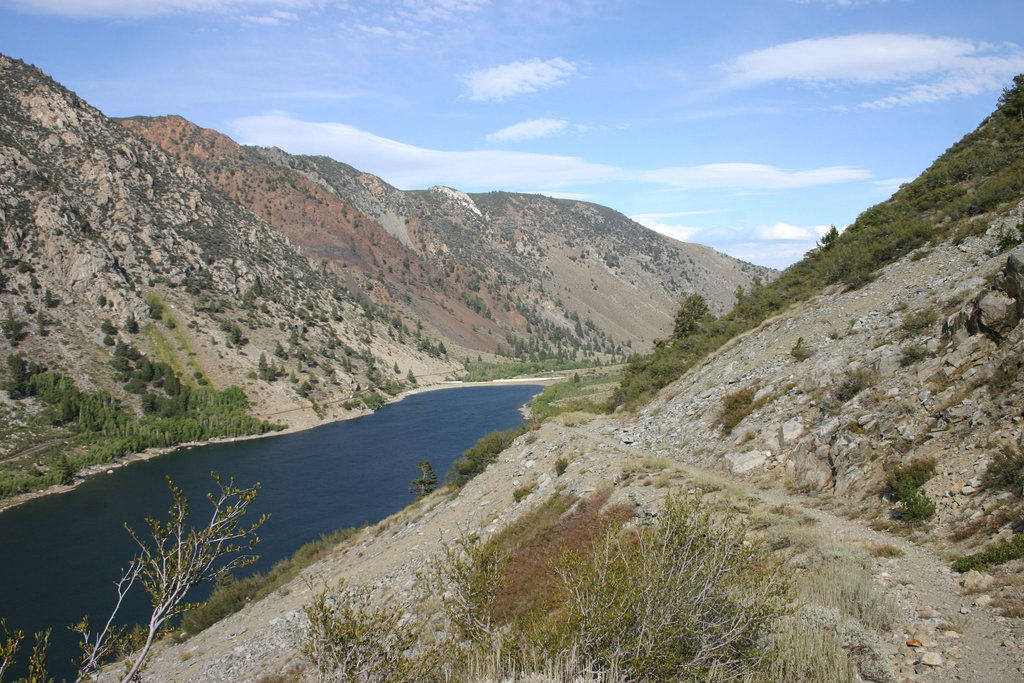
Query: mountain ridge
{"type": "Point", "coordinates": [476, 274]}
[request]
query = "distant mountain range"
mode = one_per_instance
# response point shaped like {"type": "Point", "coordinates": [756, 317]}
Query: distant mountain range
{"type": "Point", "coordinates": [504, 272]}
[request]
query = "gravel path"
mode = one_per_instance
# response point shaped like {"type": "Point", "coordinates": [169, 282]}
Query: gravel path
{"type": "Point", "coordinates": [973, 642]}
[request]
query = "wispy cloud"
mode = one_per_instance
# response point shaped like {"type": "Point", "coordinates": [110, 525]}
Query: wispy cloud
{"type": "Point", "coordinates": [275, 18]}
{"type": "Point", "coordinates": [147, 8]}
{"type": "Point", "coordinates": [920, 68]}
{"type": "Point", "coordinates": [529, 130]}
{"type": "Point", "coordinates": [751, 176]}
{"type": "Point", "coordinates": [409, 21]}
{"type": "Point", "coordinates": [411, 166]}
{"type": "Point", "coordinates": [518, 78]}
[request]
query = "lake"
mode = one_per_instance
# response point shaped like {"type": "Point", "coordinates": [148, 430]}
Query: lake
{"type": "Point", "coordinates": [60, 554]}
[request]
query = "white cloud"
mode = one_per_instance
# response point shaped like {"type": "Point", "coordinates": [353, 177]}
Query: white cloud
{"type": "Point", "coordinates": [518, 78]}
{"type": "Point", "coordinates": [923, 68]}
{"type": "Point", "coordinates": [409, 166]}
{"type": "Point", "coordinates": [867, 58]}
{"type": "Point", "coordinates": [751, 176]}
{"type": "Point", "coordinates": [683, 233]}
{"type": "Point", "coordinates": [409, 21]}
{"type": "Point", "coordinates": [145, 8]}
{"type": "Point", "coordinates": [273, 19]}
{"type": "Point", "coordinates": [785, 231]}
{"type": "Point", "coordinates": [529, 130]}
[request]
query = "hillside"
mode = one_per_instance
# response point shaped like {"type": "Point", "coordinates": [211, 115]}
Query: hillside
{"type": "Point", "coordinates": [126, 274]}
{"type": "Point", "coordinates": [867, 425]}
{"type": "Point", "coordinates": [513, 273]}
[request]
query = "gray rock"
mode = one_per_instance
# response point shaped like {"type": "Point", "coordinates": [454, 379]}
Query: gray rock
{"type": "Point", "coordinates": [744, 462]}
{"type": "Point", "coordinates": [790, 431]}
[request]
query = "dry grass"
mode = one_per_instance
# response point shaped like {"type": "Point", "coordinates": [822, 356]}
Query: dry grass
{"type": "Point", "coordinates": [880, 549]}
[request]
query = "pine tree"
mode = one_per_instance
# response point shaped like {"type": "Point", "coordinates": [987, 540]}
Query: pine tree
{"type": "Point", "coordinates": [426, 482]}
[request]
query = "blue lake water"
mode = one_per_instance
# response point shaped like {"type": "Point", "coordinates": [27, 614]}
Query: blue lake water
{"type": "Point", "coordinates": [60, 554]}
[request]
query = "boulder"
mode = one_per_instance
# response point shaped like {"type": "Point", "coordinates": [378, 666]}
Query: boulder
{"type": "Point", "coordinates": [746, 461]}
{"type": "Point", "coordinates": [790, 431]}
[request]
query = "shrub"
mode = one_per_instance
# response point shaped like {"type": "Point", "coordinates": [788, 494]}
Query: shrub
{"type": "Point", "coordinates": [905, 482]}
{"type": "Point", "coordinates": [560, 466]}
{"type": "Point", "coordinates": [854, 382]}
{"type": "Point", "coordinates": [681, 600]}
{"type": "Point", "coordinates": [998, 553]}
{"type": "Point", "coordinates": [350, 638]}
{"type": "Point", "coordinates": [735, 407]}
{"type": "Point", "coordinates": [917, 322]}
{"type": "Point", "coordinates": [915, 506]}
{"type": "Point", "coordinates": [1006, 471]}
{"type": "Point", "coordinates": [912, 353]}
{"type": "Point", "coordinates": [483, 453]}
{"type": "Point", "coordinates": [800, 352]}
{"type": "Point", "coordinates": [910, 476]}
{"type": "Point", "coordinates": [523, 492]}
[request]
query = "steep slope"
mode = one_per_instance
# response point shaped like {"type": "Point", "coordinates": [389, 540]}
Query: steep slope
{"type": "Point", "coordinates": [520, 274]}
{"type": "Point", "coordinates": [117, 258]}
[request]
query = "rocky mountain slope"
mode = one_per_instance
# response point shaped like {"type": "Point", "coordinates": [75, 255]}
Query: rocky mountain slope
{"type": "Point", "coordinates": [516, 273]}
{"type": "Point", "coordinates": [802, 453]}
{"type": "Point", "coordinates": [114, 252]}
{"type": "Point", "coordinates": [884, 412]}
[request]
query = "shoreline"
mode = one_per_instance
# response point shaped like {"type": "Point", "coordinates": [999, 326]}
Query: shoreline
{"type": "Point", "coordinates": [107, 468]}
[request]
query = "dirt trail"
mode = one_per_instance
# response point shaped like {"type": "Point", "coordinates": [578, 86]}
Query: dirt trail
{"type": "Point", "coordinates": [930, 596]}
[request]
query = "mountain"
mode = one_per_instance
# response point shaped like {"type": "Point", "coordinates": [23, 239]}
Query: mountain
{"type": "Point", "coordinates": [504, 272]}
{"type": "Point", "coordinates": [117, 259]}
{"type": "Point", "coordinates": [859, 419]}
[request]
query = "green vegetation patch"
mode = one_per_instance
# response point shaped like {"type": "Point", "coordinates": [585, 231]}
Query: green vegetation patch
{"type": "Point", "coordinates": [1006, 471]}
{"type": "Point", "coordinates": [576, 394]}
{"type": "Point", "coordinates": [483, 453]}
{"type": "Point", "coordinates": [998, 553]}
{"type": "Point", "coordinates": [487, 372]}
{"type": "Point", "coordinates": [905, 482]}
{"type": "Point", "coordinates": [172, 412]}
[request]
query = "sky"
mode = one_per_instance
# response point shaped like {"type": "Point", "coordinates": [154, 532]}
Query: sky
{"type": "Point", "coordinates": [749, 126]}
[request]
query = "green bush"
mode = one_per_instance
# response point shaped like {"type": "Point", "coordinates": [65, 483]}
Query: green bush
{"type": "Point", "coordinates": [912, 353]}
{"type": "Point", "coordinates": [560, 466]}
{"type": "Point", "coordinates": [910, 476]}
{"type": "Point", "coordinates": [905, 482]}
{"type": "Point", "coordinates": [999, 553]}
{"type": "Point", "coordinates": [917, 322]}
{"type": "Point", "coordinates": [799, 352]}
{"type": "Point", "coordinates": [915, 506]}
{"type": "Point", "coordinates": [676, 601]}
{"type": "Point", "coordinates": [483, 453]}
